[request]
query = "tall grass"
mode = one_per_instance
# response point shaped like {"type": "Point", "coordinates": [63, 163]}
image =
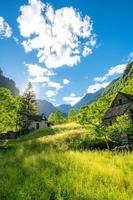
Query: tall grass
{"type": "Point", "coordinates": [32, 170]}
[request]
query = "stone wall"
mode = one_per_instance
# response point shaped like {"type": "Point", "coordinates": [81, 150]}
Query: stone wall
{"type": "Point", "coordinates": [123, 140]}
{"type": "Point", "coordinates": [12, 135]}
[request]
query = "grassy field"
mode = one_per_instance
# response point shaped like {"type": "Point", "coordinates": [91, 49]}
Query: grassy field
{"type": "Point", "coordinates": [33, 168]}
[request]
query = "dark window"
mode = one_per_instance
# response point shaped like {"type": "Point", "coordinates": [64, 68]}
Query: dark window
{"type": "Point", "coordinates": [110, 122]}
{"type": "Point", "coordinates": [37, 125]}
{"type": "Point", "coordinates": [120, 101]}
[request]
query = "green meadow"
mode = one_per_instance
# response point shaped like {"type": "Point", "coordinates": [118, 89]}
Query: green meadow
{"type": "Point", "coordinates": [40, 166]}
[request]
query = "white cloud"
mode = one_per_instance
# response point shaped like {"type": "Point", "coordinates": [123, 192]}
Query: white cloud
{"type": "Point", "coordinates": [39, 79]}
{"type": "Point", "coordinates": [72, 95]}
{"type": "Point", "coordinates": [50, 93]}
{"type": "Point", "coordinates": [97, 86]}
{"type": "Point", "coordinates": [60, 36]}
{"type": "Point", "coordinates": [5, 29]}
{"type": "Point", "coordinates": [72, 99]}
{"type": "Point", "coordinates": [55, 85]}
{"type": "Point", "coordinates": [119, 69]}
{"type": "Point", "coordinates": [100, 79]}
{"type": "Point", "coordinates": [66, 81]}
{"type": "Point", "coordinates": [116, 70]}
{"type": "Point", "coordinates": [36, 70]}
{"type": "Point", "coordinates": [52, 99]}
{"type": "Point", "coordinates": [38, 74]}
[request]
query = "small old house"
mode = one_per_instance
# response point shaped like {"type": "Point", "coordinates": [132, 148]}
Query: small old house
{"type": "Point", "coordinates": [122, 104]}
{"type": "Point", "coordinates": [38, 121]}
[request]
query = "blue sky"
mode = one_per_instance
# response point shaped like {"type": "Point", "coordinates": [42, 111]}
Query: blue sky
{"type": "Point", "coordinates": [65, 48]}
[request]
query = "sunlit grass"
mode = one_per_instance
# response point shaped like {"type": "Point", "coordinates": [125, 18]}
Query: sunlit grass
{"type": "Point", "coordinates": [32, 169]}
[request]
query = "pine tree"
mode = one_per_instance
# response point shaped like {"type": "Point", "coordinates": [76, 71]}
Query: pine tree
{"type": "Point", "coordinates": [30, 100]}
{"type": "Point", "coordinates": [28, 106]}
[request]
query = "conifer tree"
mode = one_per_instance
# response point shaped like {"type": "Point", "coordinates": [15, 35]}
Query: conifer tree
{"type": "Point", "coordinates": [28, 106]}
{"type": "Point", "coordinates": [30, 100]}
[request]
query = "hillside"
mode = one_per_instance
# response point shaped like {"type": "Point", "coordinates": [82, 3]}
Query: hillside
{"type": "Point", "coordinates": [103, 96]}
{"type": "Point", "coordinates": [88, 98]}
{"type": "Point", "coordinates": [8, 83]}
{"type": "Point", "coordinates": [97, 109]}
{"type": "Point", "coordinates": [64, 108]}
{"type": "Point", "coordinates": [31, 168]}
{"type": "Point", "coordinates": [123, 84]}
{"type": "Point", "coordinates": [45, 107]}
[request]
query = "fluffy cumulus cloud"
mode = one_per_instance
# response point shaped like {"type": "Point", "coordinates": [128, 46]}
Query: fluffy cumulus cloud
{"type": "Point", "coordinates": [51, 93]}
{"type": "Point", "coordinates": [39, 79]}
{"type": "Point", "coordinates": [72, 99]}
{"type": "Point", "coordinates": [5, 29]}
{"type": "Point", "coordinates": [116, 70]}
{"type": "Point", "coordinates": [60, 37]}
{"type": "Point", "coordinates": [36, 70]}
{"type": "Point", "coordinates": [38, 74]}
{"type": "Point", "coordinates": [66, 81]}
{"type": "Point", "coordinates": [55, 85]}
{"type": "Point", "coordinates": [119, 69]}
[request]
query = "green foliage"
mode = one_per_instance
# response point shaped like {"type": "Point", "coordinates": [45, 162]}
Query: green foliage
{"type": "Point", "coordinates": [122, 125]}
{"type": "Point", "coordinates": [8, 111]}
{"type": "Point", "coordinates": [56, 117]}
{"type": "Point", "coordinates": [13, 110]}
{"type": "Point", "coordinates": [72, 115]}
{"type": "Point", "coordinates": [83, 117]}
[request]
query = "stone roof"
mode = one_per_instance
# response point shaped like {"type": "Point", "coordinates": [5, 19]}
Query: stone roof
{"type": "Point", "coordinates": [37, 118]}
{"type": "Point", "coordinates": [129, 96]}
{"type": "Point", "coordinates": [117, 110]}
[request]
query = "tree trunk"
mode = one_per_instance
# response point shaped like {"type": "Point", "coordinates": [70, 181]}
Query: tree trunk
{"type": "Point", "coordinates": [106, 141]}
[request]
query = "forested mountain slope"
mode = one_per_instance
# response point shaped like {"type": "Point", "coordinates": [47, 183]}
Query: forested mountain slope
{"type": "Point", "coordinates": [8, 83]}
{"type": "Point", "coordinates": [123, 84]}
{"type": "Point", "coordinates": [96, 110]}
{"type": "Point", "coordinates": [88, 98]}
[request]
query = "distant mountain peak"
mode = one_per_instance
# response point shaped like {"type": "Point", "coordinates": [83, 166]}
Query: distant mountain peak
{"type": "Point", "coordinates": [45, 107]}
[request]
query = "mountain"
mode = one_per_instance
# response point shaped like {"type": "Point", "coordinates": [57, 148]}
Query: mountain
{"type": "Point", "coordinates": [95, 111]}
{"type": "Point", "coordinates": [8, 83]}
{"type": "Point", "coordinates": [45, 107]}
{"type": "Point", "coordinates": [88, 98]}
{"type": "Point", "coordinates": [101, 97]}
{"type": "Point", "coordinates": [123, 84]}
{"type": "Point", "coordinates": [64, 108]}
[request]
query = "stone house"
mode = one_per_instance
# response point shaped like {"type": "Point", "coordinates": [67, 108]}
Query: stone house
{"type": "Point", "coordinates": [38, 121]}
{"type": "Point", "coordinates": [122, 104]}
